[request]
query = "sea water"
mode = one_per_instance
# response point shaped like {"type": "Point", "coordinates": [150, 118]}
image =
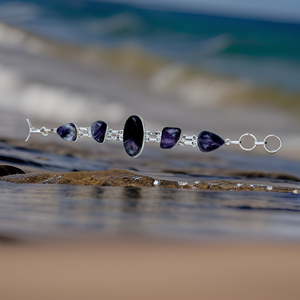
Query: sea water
{"type": "Point", "coordinates": [258, 43]}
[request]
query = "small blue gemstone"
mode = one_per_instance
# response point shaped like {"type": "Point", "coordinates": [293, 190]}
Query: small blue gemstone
{"type": "Point", "coordinates": [98, 131]}
{"type": "Point", "coordinates": [67, 132]}
{"type": "Point", "coordinates": [133, 136]}
{"type": "Point", "coordinates": [169, 137]}
{"type": "Point", "coordinates": [208, 141]}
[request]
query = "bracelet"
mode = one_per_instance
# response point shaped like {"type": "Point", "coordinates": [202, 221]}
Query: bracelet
{"type": "Point", "coordinates": [134, 136]}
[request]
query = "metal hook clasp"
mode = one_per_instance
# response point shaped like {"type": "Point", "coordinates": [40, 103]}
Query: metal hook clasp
{"type": "Point", "coordinates": [255, 142]}
{"type": "Point", "coordinates": [44, 131]}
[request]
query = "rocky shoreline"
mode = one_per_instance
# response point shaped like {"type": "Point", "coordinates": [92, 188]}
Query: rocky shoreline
{"type": "Point", "coordinates": [124, 178]}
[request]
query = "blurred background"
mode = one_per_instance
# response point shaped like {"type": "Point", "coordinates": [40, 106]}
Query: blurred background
{"type": "Point", "coordinates": [225, 66]}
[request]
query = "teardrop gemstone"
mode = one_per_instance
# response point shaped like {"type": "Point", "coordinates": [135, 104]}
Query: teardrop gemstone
{"type": "Point", "coordinates": [169, 137]}
{"type": "Point", "coordinates": [98, 131]}
{"type": "Point", "coordinates": [68, 132]}
{"type": "Point", "coordinates": [133, 136]}
{"type": "Point", "coordinates": [208, 141]}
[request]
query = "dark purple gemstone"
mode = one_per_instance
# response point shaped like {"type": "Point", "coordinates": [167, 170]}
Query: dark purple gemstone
{"type": "Point", "coordinates": [169, 137]}
{"type": "Point", "coordinates": [208, 141]}
{"type": "Point", "coordinates": [133, 136]}
{"type": "Point", "coordinates": [68, 132]}
{"type": "Point", "coordinates": [98, 131]}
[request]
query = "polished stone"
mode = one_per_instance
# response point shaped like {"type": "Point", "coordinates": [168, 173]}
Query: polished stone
{"type": "Point", "coordinates": [68, 132]}
{"type": "Point", "coordinates": [169, 137]}
{"type": "Point", "coordinates": [98, 131]}
{"type": "Point", "coordinates": [208, 141]}
{"type": "Point", "coordinates": [133, 136]}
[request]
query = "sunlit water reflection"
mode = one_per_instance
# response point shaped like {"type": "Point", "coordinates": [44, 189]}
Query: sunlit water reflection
{"type": "Point", "coordinates": [80, 211]}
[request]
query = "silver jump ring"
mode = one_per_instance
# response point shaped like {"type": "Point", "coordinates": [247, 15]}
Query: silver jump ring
{"type": "Point", "coordinates": [265, 143]}
{"type": "Point", "coordinates": [255, 142]}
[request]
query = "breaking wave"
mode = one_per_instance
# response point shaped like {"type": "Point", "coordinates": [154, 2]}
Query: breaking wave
{"type": "Point", "coordinates": [194, 86]}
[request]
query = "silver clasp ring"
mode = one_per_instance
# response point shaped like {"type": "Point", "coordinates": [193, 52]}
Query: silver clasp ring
{"type": "Point", "coordinates": [265, 143]}
{"type": "Point", "coordinates": [256, 143]}
{"type": "Point", "coordinates": [241, 138]}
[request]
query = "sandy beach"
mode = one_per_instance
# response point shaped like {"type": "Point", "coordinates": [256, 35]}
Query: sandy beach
{"type": "Point", "coordinates": [139, 269]}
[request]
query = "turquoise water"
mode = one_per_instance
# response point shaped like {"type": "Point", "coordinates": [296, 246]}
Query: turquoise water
{"type": "Point", "coordinates": [258, 50]}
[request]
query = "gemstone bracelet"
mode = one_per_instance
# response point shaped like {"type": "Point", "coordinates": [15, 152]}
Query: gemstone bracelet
{"type": "Point", "coordinates": [134, 136]}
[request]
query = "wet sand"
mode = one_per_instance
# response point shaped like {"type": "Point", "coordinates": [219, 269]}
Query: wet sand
{"type": "Point", "coordinates": [143, 269]}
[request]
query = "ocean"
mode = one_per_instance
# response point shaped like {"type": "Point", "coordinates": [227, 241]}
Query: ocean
{"type": "Point", "coordinates": [258, 49]}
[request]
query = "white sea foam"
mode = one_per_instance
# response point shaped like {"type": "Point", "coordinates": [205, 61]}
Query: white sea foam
{"type": "Point", "coordinates": [195, 88]}
{"type": "Point", "coordinates": [15, 38]}
{"type": "Point", "coordinates": [213, 45]}
{"type": "Point", "coordinates": [115, 23]}
{"type": "Point", "coordinates": [50, 102]}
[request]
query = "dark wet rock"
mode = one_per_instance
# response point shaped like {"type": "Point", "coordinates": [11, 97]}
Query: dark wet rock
{"type": "Point", "coordinates": [6, 170]}
{"type": "Point", "coordinates": [7, 239]}
{"type": "Point", "coordinates": [169, 137]}
{"type": "Point", "coordinates": [111, 177]}
{"type": "Point", "coordinates": [133, 136]}
{"type": "Point", "coordinates": [278, 176]}
{"type": "Point", "coordinates": [124, 178]}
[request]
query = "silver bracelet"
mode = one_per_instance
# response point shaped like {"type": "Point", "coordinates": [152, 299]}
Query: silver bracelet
{"type": "Point", "coordinates": [134, 136]}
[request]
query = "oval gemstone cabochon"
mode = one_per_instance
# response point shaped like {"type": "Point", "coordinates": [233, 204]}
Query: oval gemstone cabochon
{"type": "Point", "coordinates": [133, 136]}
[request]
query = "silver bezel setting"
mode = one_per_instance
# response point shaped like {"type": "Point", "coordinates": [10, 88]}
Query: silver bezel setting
{"type": "Point", "coordinates": [144, 130]}
{"type": "Point", "coordinates": [143, 142]}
